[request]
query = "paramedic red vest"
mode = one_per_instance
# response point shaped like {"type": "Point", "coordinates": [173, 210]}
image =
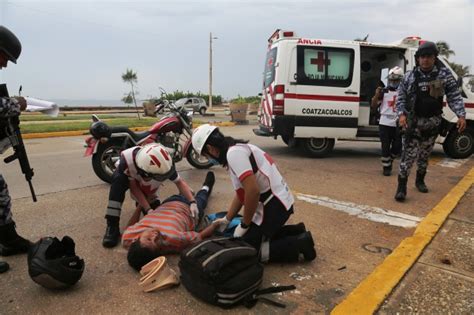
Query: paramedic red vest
{"type": "Point", "coordinates": [268, 177]}
{"type": "Point", "coordinates": [149, 188]}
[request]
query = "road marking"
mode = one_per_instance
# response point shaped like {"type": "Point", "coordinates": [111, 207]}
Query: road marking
{"type": "Point", "coordinates": [452, 163]}
{"type": "Point", "coordinates": [433, 160]}
{"type": "Point", "coordinates": [372, 291]}
{"type": "Point", "coordinates": [363, 211]}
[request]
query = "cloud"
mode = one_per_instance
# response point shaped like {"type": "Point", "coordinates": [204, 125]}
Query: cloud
{"type": "Point", "coordinates": [78, 49]}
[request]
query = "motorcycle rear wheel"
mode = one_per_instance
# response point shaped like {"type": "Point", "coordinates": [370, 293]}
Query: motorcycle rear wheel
{"type": "Point", "coordinates": [103, 161]}
{"type": "Point", "coordinates": [196, 160]}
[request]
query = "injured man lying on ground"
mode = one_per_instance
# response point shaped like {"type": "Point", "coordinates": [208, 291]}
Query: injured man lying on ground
{"type": "Point", "coordinates": [168, 229]}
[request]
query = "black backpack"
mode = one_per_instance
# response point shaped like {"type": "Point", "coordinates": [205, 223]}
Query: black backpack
{"type": "Point", "coordinates": [225, 272]}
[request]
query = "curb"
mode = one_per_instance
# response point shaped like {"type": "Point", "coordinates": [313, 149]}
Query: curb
{"type": "Point", "coordinates": [367, 297]}
{"type": "Point", "coordinates": [86, 132]}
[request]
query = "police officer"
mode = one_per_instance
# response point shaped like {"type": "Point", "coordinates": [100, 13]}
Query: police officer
{"type": "Point", "coordinates": [384, 100]}
{"type": "Point", "coordinates": [10, 242]}
{"type": "Point", "coordinates": [419, 107]}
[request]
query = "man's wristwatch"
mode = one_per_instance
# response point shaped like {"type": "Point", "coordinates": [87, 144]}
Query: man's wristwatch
{"type": "Point", "coordinates": [192, 201]}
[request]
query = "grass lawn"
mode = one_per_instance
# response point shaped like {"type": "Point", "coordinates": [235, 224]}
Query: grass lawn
{"type": "Point", "coordinates": [84, 125]}
{"type": "Point", "coordinates": [66, 117]}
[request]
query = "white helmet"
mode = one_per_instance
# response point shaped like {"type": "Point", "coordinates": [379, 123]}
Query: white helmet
{"type": "Point", "coordinates": [200, 136]}
{"type": "Point", "coordinates": [395, 74]}
{"type": "Point", "coordinates": [153, 161]}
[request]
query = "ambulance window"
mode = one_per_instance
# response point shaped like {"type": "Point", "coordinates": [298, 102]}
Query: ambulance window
{"type": "Point", "coordinates": [325, 66]}
{"type": "Point", "coordinates": [269, 72]}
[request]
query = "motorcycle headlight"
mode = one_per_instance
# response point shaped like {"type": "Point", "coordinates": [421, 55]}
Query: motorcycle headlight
{"type": "Point", "coordinates": [189, 115]}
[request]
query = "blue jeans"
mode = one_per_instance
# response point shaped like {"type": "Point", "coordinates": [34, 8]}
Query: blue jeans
{"type": "Point", "coordinates": [201, 200]}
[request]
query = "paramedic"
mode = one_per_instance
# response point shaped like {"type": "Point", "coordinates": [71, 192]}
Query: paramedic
{"type": "Point", "coordinates": [143, 170]}
{"type": "Point", "coordinates": [264, 194]}
{"type": "Point", "coordinates": [384, 99]}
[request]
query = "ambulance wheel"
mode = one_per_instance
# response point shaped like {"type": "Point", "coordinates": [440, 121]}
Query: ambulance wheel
{"type": "Point", "coordinates": [459, 145]}
{"type": "Point", "coordinates": [318, 147]}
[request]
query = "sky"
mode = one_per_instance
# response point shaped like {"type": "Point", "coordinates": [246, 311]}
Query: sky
{"type": "Point", "coordinates": [79, 49]}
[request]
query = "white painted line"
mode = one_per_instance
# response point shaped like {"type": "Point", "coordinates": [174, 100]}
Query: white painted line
{"type": "Point", "coordinates": [363, 211]}
{"type": "Point", "coordinates": [452, 163]}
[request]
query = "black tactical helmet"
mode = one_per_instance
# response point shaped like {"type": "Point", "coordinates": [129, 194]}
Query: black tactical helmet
{"type": "Point", "coordinates": [99, 129]}
{"type": "Point", "coordinates": [427, 48]}
{"type": "Point", "coordinates": [9, 44]}
{"type": "Point", "coordinates": [53, 264]}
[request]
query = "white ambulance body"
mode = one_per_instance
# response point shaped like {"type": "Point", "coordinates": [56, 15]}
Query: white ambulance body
{"type": "Point", "coordinates": [316, 91]}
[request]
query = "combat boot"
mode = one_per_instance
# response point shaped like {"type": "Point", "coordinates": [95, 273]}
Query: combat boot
{"type": "Point", "coordinates": [420, 182]}
{"type": "Point", "coordinates": [401, 189]}
{"type": "Point", "coordinates": [112, 233]}
{"type": "Point", "coordinates": [10, 242]}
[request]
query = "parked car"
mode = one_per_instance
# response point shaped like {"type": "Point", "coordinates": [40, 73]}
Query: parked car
{"type": "Point", "coordinates": [197, 104]}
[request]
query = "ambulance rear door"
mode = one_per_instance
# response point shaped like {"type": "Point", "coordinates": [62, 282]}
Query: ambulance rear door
{"type": "Point", "coordinates": [326, 99]}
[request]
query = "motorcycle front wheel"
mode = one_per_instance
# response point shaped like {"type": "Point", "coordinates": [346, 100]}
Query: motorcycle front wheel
{"type": "Point", "coordinates": [103, 161]}
{"type": "Point", "coordinates": [196, 160]}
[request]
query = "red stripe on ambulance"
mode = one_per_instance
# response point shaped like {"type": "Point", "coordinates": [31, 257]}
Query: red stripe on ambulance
{"type": "Point", "coordinates": [322, 97]}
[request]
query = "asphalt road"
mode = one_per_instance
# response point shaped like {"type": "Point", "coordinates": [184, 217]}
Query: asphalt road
{"type": "Point", "coordinates": [337, 198]}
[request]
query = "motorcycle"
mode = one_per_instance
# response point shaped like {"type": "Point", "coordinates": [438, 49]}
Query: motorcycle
{"type": "Point", "coordinates": [173, 131]}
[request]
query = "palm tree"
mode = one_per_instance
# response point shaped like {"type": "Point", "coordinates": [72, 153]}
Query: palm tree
{"type": "Point", "coordinates": [131, 77]}
{"type": "Point", "coordinates": [459, 69]}
{"type": "Point", "coordinates": [444, 49]}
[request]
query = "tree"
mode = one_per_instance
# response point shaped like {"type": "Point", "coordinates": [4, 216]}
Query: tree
{"type": "Point", "coordinates": [444, 49]}
{"type": "Point", "coordinates": [459, 69]}
{"type": "Point", "coordinates": [131, 77]}
{"type": "Point", "coordinates": [128, 99]}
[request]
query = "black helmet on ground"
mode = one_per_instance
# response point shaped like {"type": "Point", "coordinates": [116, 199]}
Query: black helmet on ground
{"type": "Point", "coordinates": [99, 129]}
{"type": "Point", "coordinates": [54, 264]}
{"type": "Point", "coordinates": [427, 48]}
{"type": "Point", "coordinates": [9, 44]}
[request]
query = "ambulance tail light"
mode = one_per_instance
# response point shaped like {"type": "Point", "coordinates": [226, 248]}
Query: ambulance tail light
{"type": "Point", "coordinates": [279, 100]}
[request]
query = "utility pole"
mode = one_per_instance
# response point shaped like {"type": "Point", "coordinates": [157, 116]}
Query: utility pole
{"type": "Point", "coordinates": [210, 69]}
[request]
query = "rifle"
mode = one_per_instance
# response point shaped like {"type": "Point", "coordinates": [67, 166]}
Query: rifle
{"type": "Point", "coordinates": [411, 120]}
{"type": "Point", "coordinates": [12, 131]}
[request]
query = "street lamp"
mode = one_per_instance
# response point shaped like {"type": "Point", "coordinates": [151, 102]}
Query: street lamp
{"type": "Point", "coordinates": [210, 69]}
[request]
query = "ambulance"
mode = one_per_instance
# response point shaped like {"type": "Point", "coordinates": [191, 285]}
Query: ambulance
{"type": "Point", "coordinates": [317, 91]}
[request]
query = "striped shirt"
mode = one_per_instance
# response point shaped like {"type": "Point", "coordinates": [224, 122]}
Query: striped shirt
{"type": "Point", "coordinates": [175, 223]}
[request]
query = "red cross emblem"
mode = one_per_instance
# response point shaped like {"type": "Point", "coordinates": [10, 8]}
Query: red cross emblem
{"type": "Point", "coordinates": [320, 61]}
{"type": "Point", "coordinates": [270, 61]}
{"type": "Point", "coordinates": [392, 102]}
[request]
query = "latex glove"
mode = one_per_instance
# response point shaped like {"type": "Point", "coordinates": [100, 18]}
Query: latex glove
{"type": "Point", "coordinates": [194, 210]}
{"type": "Point", "coordinates": [240, 231]}
{"type": "Point", "coordinates": [221, 223]}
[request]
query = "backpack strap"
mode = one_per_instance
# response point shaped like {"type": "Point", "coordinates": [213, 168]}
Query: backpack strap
{"type": "Point", "coordinates": [251, 300]}
{"type": "Point", "coordinates": [253, 163]}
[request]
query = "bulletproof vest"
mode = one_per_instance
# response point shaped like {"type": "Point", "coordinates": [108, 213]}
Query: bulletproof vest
{"type": "Point", "coordinates": [429, 95]}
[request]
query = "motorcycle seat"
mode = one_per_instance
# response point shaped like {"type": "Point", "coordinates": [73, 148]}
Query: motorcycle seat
{"type": "Point", "coordinates": [135, 135]}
